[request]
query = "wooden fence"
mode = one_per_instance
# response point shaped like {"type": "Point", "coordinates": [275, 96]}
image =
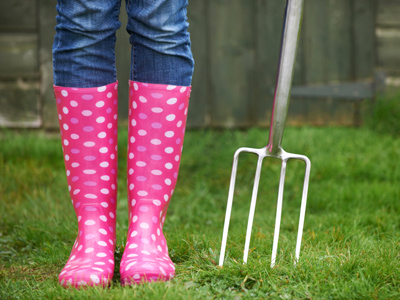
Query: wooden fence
{"type": "Point", "coordinates": [236, 46]}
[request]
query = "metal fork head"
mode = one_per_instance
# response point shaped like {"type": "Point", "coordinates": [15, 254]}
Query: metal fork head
{"type": "Point", "coordinates": [284, 157]}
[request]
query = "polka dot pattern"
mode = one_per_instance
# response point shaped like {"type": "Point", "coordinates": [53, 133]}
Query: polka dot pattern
{"type": "Point", "coordinates": [87, 126]}
{"type": "Point", "coordinates": [156, 121]}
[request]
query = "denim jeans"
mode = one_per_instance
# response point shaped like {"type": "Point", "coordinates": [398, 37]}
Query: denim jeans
{"type": "Point", "coordinates": [83, 49]}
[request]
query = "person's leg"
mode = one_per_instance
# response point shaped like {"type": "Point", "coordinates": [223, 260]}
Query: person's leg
{"type": "Point", "coordinates": [160, 41]}
{"type": "Point", "coordinates": [158, 106]}
{"type": "Point", "coordinates": [83, 48]}
{"type": "Point", "coordinates": [86, 94]}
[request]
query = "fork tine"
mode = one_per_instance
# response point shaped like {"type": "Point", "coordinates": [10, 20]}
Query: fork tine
{"type": "Point", "coordinates": [229, 206]}
{"type": "Point", "coordinates": [252, 208]}
{"type": "Point", "coordinates": [278, 212]}
{"type": "Point", "coordinates": [303, 205]}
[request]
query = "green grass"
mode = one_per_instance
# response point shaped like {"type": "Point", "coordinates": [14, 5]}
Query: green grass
{"type": "Point", "coordinates": [351, 241]}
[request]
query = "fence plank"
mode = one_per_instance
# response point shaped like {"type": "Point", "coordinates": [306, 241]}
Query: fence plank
{"type": "Point", "coordinates": [18, 15]}
{"type": "Point", "coordinates": [364, 38]}
{"type": "Point", "coordinates": [123, 63]}
{"type": "Point", "coordinates": [269, 17]}
{"type": "Point", "coordinates": [47, 22]}
{"type": "Point", "coordinates": [316, 47]}
{"type": "Point", "coordinates": [19, 102]}
{"type": "Point", "coordinates": [232, 61]}
{"type": "Point", "coordinates": [388, 13]}
{"type": "Point", "coordinates": [339, 56]}
{"type": "Point", "coordinates": [18, 55]}
{"type": "Point", "coordinates": [388, 45]}
{"type": "Point", "coordinates": [198, 115]}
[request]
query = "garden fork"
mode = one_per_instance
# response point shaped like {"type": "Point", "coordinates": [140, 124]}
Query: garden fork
{"type": "Point", "coordinates": [290, 34]}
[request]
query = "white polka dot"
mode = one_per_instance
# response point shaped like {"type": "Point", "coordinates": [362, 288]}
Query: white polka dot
{"type": "Point", "coordinates": [109, 126]}
{"type": "Point", "coordinates": [75, 165]}
{"type": "Point", "coordinates": [89, 172]}
{"type": "Point", "coordinates": [155, 141]}
{"type": "Point", "coordinates": [168, 166]}
{"type": "Point", "coordinates": [142, 132]}
{"type": "Point", "coordinates": [104, 219]}
{"type": "Point", "coordinates": [89, 144]}
{"type": "Point", "coordinates": [133, 122]}
{"type": "Point", "coordinates": [134, 233]}
{"type": "Point", "coordinates": [132, 139]}
{"type": "Point", "coordinates": [169, 134]}
{"type": "Point", "coordinates": [179, 124]}
{"type": "Point", "coordinates": [104, 164]}
{"type": "Point", "coordinates": [59, 117]}
{"type": "Point", "coordinates": [103, 150]}
{"type": "Point", "coordinates": [100, 120]}
{"type": "Point", "coordinates": [145, 252]}
{"type": "Point", "coordinates": [131, 186]}
{"type": "Point", "coordinates": [142, 193]}
{"type": "Point", "coordinates": [102, 135]}
{"type": "Point", "coordinates": [130, 265]}
{"type": "Point", "coordinates": [130, 171]}
{"type": "Point", "coordinates": [76, 191]}
{"type": "Point", "coordinates": [101, 254]}
{"type": "Point", "coordinates": [132, 246]}
{"type": "Point", "coordinates": [142, 99]}
{"type": "Point", "coordinates": [100, 104]}
{"type": "Point", "coordinates": [109, 95]}
{"type": "Point", "coordinates": [171, 87]}
{"type": "Point", "coordinates": [172, 101]}
{"type": "Point", "coordinates": [144, 225]}
{"type": "Point", "coordinates": [101, 230]}
{"type": "Point", "coordinates": [90, 222]}
{"type": "Point", "coordinates": [64, 93]}
{"type": "Point", "coordinates": [66, 143]}
{"type": "Point", "coordinates": [182, 89]}
{"type": "Point", "coordinates": [157, 110]}
{"type": "Point", "coordinates": [159, 248]}
{"type": "Point", "coordinates": [86, 113]}
{"type": "Point", "coordinates": [105, 177]}
{"type": "Point", "coordinates": [100, 263]}
{"type": "Point", "coordinates": [176, 157]}
{"type": "Point", "coordinates": [157, 202]}
{"type": "Point", "coordinates": [170, 117]}
{"type": "Point", "coordinates": [111, 215]}
{"type": "Point", "coordinates": [104, 204]}
{"type": "Point", "coordinates": [156, 172]}
{"type": "Point", "coordinates": [134, 219]}
{"type": "Point", "coordinates": [141, 164]}
{"type": "Point", "coordinates": [168, 181]}
{"type": "Point", "coordinates": [134, 105]}
{"type": "Point", "coordinates": [88, 250]}
{"type": "Point", "coordinates": [74, 103]}
{"type": "Point", "coordinates": [74, 136]}
{"type": "Point", "coordinates": [67, 157]}
{"type": "Point", "coordinates": [169, 150]}
{"type": "Point", "coordinates": [135, 86]}
{"type": "Point", "coordinates": [158, 231]}
{"type": "Point", "coordinates": [101, 89]}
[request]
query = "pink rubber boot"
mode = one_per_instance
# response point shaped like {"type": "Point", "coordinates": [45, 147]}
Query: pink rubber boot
{"type": "Point", "coordinates": [88, 123]}
{"type": "Point", "coordinates": [157, 119]}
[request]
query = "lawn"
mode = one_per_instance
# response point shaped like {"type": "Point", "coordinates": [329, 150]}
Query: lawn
{"type": "Point", "coordinates": [351, 241]}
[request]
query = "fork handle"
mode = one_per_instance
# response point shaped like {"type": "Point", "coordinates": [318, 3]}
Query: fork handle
{"type": "Point", "coordinates": [289, 41]}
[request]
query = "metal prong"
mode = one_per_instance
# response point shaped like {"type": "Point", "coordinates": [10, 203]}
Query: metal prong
{"type": "Point", "coordinates": [229, 206]}
{"type": "Point", "coordinates": [303, 206]}
{"type": "Point", "coordinates": [278, 212]}
{"type": "Point", "coordinates": [252, 208]}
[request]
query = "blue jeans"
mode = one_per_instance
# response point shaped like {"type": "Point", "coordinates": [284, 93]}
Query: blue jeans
{"type": "Point", "coordinates": [83, 49]}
